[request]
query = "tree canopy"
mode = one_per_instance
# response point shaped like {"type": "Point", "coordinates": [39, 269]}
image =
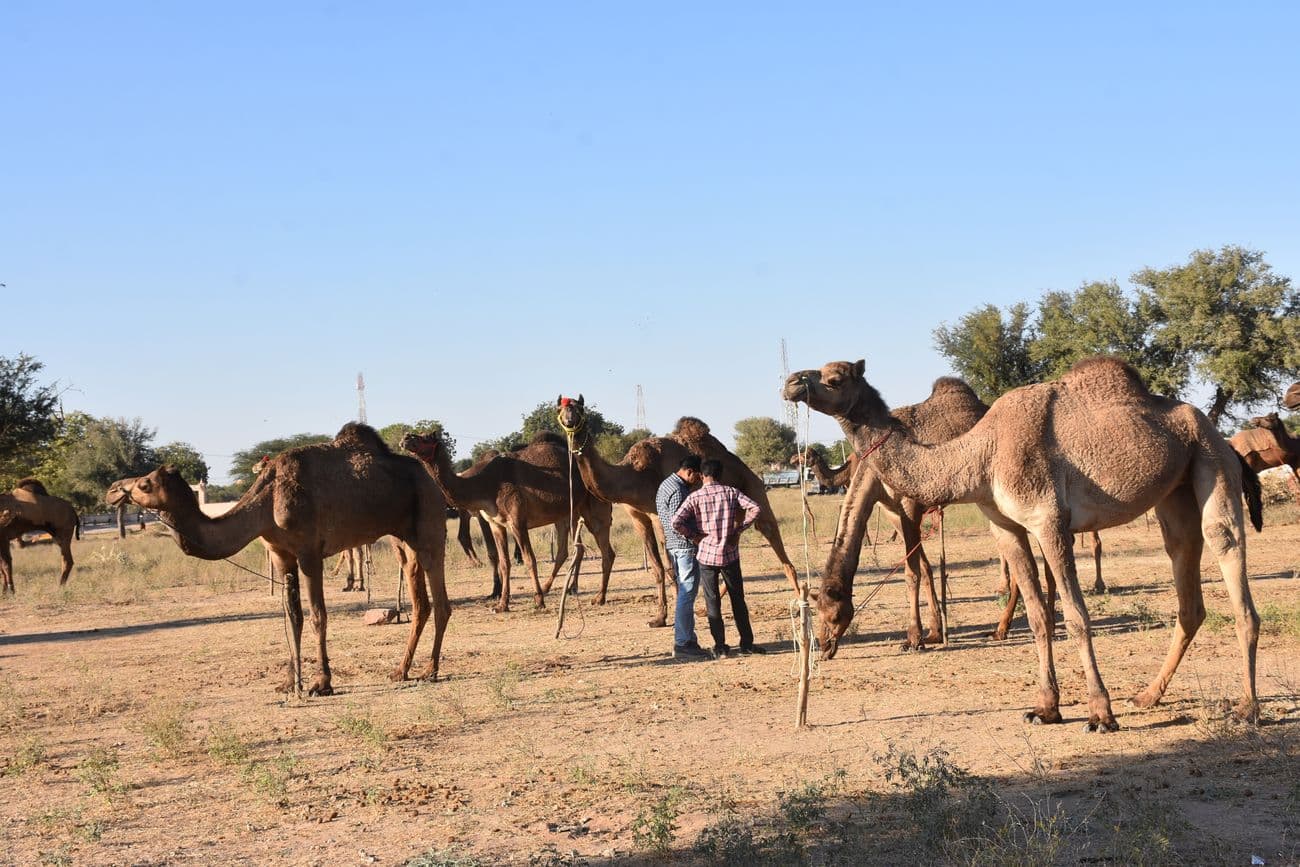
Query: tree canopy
{"type": "Point", "coordinates": [29, 422]}
{"type": "Point", "coordinates": [762, 441]}
{"type": "Point", "coordinates": [241, 465]}
{"type": "Point", "coordinates": [393, 433]}
{"type": "Point", "coordinates": [991, 350]}
{"type": "Point", "coordinates": [185, 458]}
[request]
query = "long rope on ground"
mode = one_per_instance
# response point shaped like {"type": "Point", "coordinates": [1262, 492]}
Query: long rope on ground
{"type": "Point", "coordinates": [571, 577]}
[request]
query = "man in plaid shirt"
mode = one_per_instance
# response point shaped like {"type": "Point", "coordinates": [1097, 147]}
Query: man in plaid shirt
{"type": "Point", "coordinates": [714, 517]}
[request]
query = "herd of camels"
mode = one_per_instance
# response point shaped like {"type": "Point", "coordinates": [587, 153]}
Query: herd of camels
{"type": "Point", "coordinates": [1092, 450]}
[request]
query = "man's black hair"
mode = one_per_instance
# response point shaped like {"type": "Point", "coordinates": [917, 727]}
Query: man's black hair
{"type": "Point", "coordinates": [712, 468]}
{"type": "Point", "coordinates": [690, 462]}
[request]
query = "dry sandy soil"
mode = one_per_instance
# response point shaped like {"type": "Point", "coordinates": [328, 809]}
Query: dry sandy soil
{"type": "Point", "coordinates": [139, 724]}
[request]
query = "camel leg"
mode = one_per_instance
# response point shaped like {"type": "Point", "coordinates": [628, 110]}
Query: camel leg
{"type": "Point", "coordinates": [1014, 547]}
{"type": "Point", "coordinates": [493, 553]}
{"type": "Point", "coordinates": [432, 567]}
{"type": "Point", "coordinates": [641, 523]}
{"type": "Point", "coordinates": [6, 567]}
{"type": "Point", "coordinates": [414, 574]}
{"type": "Point", "coordinates": [1013, 598]}
{"type": "Point", "coordinates": [766, 524]}
{"type": "Point", "coordinates": [65, 548]}
{"type": "Point", "coordinates": [287, 568]}
{"type": "Point", "coordinates": [313, 569]}
{"type": "Point", "coordinates": [598, 522]}
{"type": "Point", "coordinates": [466, 541]}
{"type": "Point", "coordinates": [502, 540]}
{"type": "Point", "coordinates": [1179, 520]}
{"type": "Point", "coordinates": [520, 531]}
{"type": "Point", "coordinates": [1224, 528]}
{"type": "Point", "coordinates": [835, 607]}
{"type": "Point", "coordinates": [562, 532]}
{"type": "Point", "coordinates": [1057, 545]}
{"type": "Point", "coordinates": [912, 550]}
{"type": "Point", "coordinates": [1098, 586]}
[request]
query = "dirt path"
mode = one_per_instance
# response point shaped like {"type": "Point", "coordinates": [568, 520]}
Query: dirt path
{"type": "Point", "coordinates": [146, 730]}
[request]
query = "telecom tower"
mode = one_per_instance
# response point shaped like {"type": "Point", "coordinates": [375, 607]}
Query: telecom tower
{"type": "Point", "coordinates": [791, 411]}
{"type": "Point", "coordinates": [361, 398]}
{"type": "Point", "coordinates": [640, 409]}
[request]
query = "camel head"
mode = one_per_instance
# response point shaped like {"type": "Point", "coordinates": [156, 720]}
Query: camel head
{"type": "Point", "coordinates": [571, 413]}
{"type": "Point", "coordinates": [1271, 422]}
{"type": "Point", "coordinates": [163, 490]}
{"type": "Point", "coordinates": [6, 517]}
{"type": "Point", "coordinates": [833, 390]}
{"type": "Point", "coordinates": [424, 446]}
{"type": "Point", "coordinates": [834, 614]}
{"type": "Point", "coordinates": [1291, 400]}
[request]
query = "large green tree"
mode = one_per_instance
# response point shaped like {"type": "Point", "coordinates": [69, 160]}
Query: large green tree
{"type": "Point", "coordinates": [29, 421]}
{"type": "Point", "coordinates": [990, 349]}
{"type": "Point", "coordinates": [241, 465]}
{"type": "Point", "coordinates": [1236, 323]}
{"type": "Point", "coordinates": [104, 450]}
{"type": "Point", "coordinates": [543, 418]}
{"type": "Point", "coordinates": [186, 459]}
{"type": "Point", "coordinates": [393, 433]}
{"type": "Point", "coordinates": [762, 441]}
{"type": "Point", "coordinates": [613, 446]}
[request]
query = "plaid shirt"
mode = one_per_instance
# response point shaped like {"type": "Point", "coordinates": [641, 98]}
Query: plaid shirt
{"type": "Point", "coordinates": [672, 491]}
{"type": "Point", "coordinates": [711, 517]}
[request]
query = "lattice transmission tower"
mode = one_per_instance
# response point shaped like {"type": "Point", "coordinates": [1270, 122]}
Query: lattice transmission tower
{"type": "Point", "coordinates": [361, 398]}
{"type": "Point", "coordinates": [640, 409]}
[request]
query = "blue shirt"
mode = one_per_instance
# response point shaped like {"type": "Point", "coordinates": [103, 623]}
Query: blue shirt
{"type": "Point", "coordinates": [672, 493]}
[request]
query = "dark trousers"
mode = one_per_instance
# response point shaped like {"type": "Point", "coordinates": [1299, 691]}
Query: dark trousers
{"type": "Point", "coordinates": [713, 604]}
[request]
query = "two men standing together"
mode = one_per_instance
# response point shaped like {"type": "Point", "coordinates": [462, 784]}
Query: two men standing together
{"type": "Point", "coordinates": [701, 532]}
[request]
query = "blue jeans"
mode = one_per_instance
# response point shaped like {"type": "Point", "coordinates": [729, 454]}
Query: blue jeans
{"type": "Point", "coordinates": [688, 583]}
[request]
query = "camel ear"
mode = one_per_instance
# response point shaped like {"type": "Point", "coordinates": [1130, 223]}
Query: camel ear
{"type": "Point", "coordinates": [814, 594]}
{"type": "Point", "coordinates": [860, 368]}
{"type": "Point", "coordinates": [559, 400]}
{"type": "Point", "coordinates": [581, 402]}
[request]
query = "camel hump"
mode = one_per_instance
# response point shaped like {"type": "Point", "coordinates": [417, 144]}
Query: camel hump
{"type": "Point", "coordinates": [546, 437]}
{"type": "Point", "coordinates": [356, 434]}
{"type": "Point", "coordinates": [1253, 440]}
{"type": "Point", "coordinates": [31, 485]}
{"type": "Point", "coordinates": [644, 454]}
{"type": "Point", "coordinates": [1106, 376]}
{"type": "Point", "coordinates": [951, 386]}
{"type": "Point", "coordinates": [690, 428]}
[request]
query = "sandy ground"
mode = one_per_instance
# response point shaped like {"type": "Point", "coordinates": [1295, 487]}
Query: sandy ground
{"type": "Point", "coordinates": [144, 727]}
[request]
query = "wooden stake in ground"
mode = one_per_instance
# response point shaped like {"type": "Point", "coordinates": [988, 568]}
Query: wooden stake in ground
{"type": "Point", "coordinates": [571, 579]}
{"type": "Point", "coordinates": [805, 656]}
{"type": "Point", "coordinates": [943, 581]}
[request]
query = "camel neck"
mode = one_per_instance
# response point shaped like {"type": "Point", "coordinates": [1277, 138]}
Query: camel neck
{"type": "Point", "coordinates": [224, 536]}
{"type": "Point", "coordinates": [951, 472]}
{"type": "Point", "coordinates": [461, 492]}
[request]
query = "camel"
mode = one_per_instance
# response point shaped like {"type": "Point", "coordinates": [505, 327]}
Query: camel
{"type": "Point", "coordinates": [829, 477]}
{"type": "Point", "coordinates": [30, 507]}
{"type": "Point", "coordinates": [1091, 450]}
{"type": "Point", "coordinates": [635, 480]}
{"type": "Point", "coordinates": [1291, 400]}
{"type": "Point", "coordinates": [312, 502]}
{"type": "Point", "coordinates": [1268, 444]}
{"type": "Point", "coordinates": [523, 489]}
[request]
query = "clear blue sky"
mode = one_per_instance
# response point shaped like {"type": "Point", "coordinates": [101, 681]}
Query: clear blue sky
{"type": "Point", "coordinates": [213, 216]}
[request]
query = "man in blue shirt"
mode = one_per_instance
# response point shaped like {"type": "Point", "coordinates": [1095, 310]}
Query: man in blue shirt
{"type": "Point", "coordinates": [672, 493]}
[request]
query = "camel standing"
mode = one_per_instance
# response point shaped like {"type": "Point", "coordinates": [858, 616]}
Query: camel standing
{"type": "Point", "coordinates": [523, 489]}
{"type": "Point", "coordinates": [1268, 444]}
{"type": "Point", "coordinates": [30, 507]}
{"type": "Point", "coordinates": [635, 480]}
{"type": "Point", "coordinates": [312, 502]}
{"type": "Point", "coordinates": [1291, 400]}
{"type": "Point", "coordinates": [1091, 450]}
{"type": "Point", "coordinates": [829, 477]}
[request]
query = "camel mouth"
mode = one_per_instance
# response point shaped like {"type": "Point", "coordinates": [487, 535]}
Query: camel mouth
{"type": "Point", "coordinates": [796, 388]}
{"type": "Point", "coordinates": [118, 494]}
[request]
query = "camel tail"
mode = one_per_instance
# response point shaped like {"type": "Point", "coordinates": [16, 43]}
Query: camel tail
{"type": "Point", "coordinates": [76, 529]}
{"type": "Point", "coordinates": [1254, 495]}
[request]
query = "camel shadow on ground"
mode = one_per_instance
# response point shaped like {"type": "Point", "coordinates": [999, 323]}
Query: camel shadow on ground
{"type": "Point", "coordinates": [96, 633]}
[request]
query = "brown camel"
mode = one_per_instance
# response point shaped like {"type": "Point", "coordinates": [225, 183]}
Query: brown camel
{"type": "Point", "coordinates": [1093, 449]}
{"type": "Point", "coordinates": [635, 481]}
{"type": "Point", "coordinates": [30, 507]}
{"type": "Point", "coordinates": [829, 477]}
{"type": "Point", "coordinates": [1268, 444]}
{"type": "Point", "coordinates": [312, 502]}
{"type": "Point", "coordinates": [523, 489]}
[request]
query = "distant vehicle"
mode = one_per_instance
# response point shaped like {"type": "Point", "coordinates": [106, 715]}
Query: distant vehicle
{"type": "Point", "coordinates": [790, 479]}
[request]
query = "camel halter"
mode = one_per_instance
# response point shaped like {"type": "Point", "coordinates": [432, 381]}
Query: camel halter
{"type": "Point", "coordinates": [571, 578]}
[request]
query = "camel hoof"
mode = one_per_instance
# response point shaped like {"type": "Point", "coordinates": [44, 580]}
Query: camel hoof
{"type": "Point", "coordinates": [935, 638]}
{"type": "Point", "coordinates": [397, 675]}
{"type": "Point", "coordinates": [1247, 711]}
{"type": "Point", "coordinates": [911, 645]}
{"type": "Point", "coordinates": [600, 599]}
{"type": "Point", "coordinates": [320, 687]}
{"type": "Point", "coordinates": [500, 608]}
{"type": "Point", "coordinates": [1101, 726]}
{"type": "Point", "coordinates": [998, 635]}
{"type": "Point", "coordinates": [658, 623]}
{"type": "Point", "coordinates": [1145, 699]}
{"type": "Point", "coordinates": [1042, 717]}
{"type": "Point", "coordinates": [539, 601]}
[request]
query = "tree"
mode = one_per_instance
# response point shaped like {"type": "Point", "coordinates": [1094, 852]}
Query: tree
{"type": "Point", "coordinates": [1096, 319]}
{"type": "Point", "coordinates": [542, 418]}
{"type": "Point", "coordinates": [1231, 319]}
{"type": "Point", "coordinates": [613, 446]}
{"type": "Point", "coordinates": [28, 420]}
{"type": "Point", "coordinates": [241, 465]}
{"type": "Point", "coordinates": [990, 352]}
{"type": "Point", "coordinates": [393, 433]}
{"type": "Point", "coordinates": [106, 449]}
{"type": "Point", "coordinates": [763, 441]}
{"type": "Point", "coordinates": [507, 443]}
{"type": "Point", "coordinates": [186, 459]}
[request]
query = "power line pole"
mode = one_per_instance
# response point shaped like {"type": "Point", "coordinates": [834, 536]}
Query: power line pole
{"type": "Point", "coordinates": [640, 409]}
{"type": "Point", "coordinates": [361, 398]}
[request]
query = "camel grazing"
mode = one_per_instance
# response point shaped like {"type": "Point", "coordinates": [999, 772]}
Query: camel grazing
{"type": "Point", "coordinates": [829, 477]}
{"type": "Point", "coordinates": [312, 502]}
{"type": "Point", "coordinates": [523, 489]}
{"type": "Point", "coordinates": [1091, 450]}
{"type": "Point", "coordinates": [1268, 444]}
{"type": "Point", "coordinates": [635, 480]}
{"type": "Point", "coordinates": [30, 507]}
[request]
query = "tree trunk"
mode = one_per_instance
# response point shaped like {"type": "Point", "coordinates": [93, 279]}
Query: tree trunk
{"type": "Point", "coordinates": [121, 520]}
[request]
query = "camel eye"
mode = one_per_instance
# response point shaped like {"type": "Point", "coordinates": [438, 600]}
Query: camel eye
{"type": "Point", "coordinates": [831, 382]}
{"type": "Point", "coordinates": [145, 485]}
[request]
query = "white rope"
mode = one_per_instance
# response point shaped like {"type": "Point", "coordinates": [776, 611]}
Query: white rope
{"type": "Point", "coordinates": [801, 627]}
